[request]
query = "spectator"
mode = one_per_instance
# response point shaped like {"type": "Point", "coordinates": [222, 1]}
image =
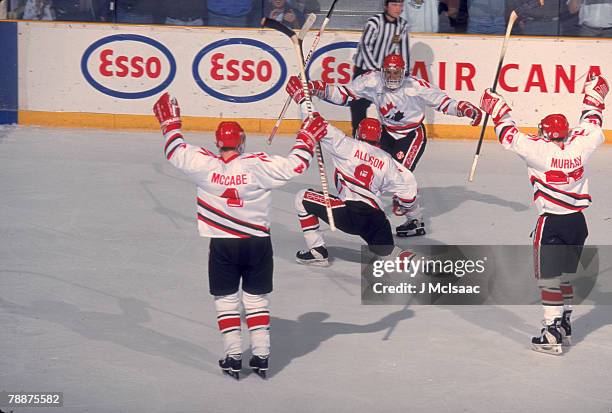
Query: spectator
{"type": "Point", "coordinates": [134, 11]}
{"type": "Point", "coordinates": [422, 16]}
{"type": "Point", "coordinates": [536, 18]}
{"type": "Point", "coordinates": [594, 17]}
{"type": "Point", "coordinates": [305, 6]}
{"type": "Point", "coordinates": [279, 10]}
{"type": "Point", "coordinates": [234, 13]}
{"type": "Point", "coordinates": [185, 12]}
{"type": "Point", "coordinates": [486, 17]}
{"type": "Point", "coordinates": [38, 10]}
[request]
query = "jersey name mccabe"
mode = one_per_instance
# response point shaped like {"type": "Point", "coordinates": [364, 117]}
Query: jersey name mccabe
{"type": "Point", "coordinates": [228, 180]}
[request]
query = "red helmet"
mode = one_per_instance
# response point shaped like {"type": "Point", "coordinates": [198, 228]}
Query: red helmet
{"type": "Point", "coordinates": [229, 135]}
{"type": "Point", "coordinates": [554, 127]}
{"type": "Point", "coordinates": [369, 130]}
{"type": "Point", "coordinates": [393, 71]}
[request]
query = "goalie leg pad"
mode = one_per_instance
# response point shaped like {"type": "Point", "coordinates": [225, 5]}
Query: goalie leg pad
{"type": "Point", "coordinates": [228, 319]}
{"type": "Point", "coordinates": [256, 307]}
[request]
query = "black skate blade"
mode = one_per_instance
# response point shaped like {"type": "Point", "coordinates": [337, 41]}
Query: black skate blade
{"type": "Point", "coordinates": [405, 234]}
{"type": "Point", "coordinates": [234, 374]}
{"type": "Point", "coordinates": [554, 349]}
{"type": "Point", "coordinates": [261, 373]}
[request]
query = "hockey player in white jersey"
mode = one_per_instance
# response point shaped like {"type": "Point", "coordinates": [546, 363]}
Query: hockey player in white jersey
{"type": "Point", "coordinates": [557, 161]}
{"type": "Point", "coordinates": [362, 173]}
{"type": "Point", "coordinates": [233, 209]}
{"type": "Point", "coordinates": [401, 102]}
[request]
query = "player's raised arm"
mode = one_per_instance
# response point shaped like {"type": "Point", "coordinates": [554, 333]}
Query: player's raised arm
{"type": "Point", "coordinates": [441, 102]}
{"type": "Point", "coordinates": [190, 159]}
{"type": "Point", "coordinates": [595, 91]}
{"type": "Point", "coordinates": [336, 94]}
{"type": "Point", "coordinates": [273, 171]}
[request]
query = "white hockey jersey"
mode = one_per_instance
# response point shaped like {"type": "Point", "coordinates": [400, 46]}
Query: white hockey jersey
{"type": "Point", "coordinates": [233, 195]}
{"type": "Point", "coordinates": [401, 110]}
{"type": "Point", "coordinates": [558, 174]}
{"type": "Point", "coordinates": [364, 172]}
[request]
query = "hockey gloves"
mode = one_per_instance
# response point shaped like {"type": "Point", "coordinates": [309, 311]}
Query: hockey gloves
{"type": "Point", "coordinates": [465, 108]}
{"type": "Point", "coordinates": [494, 105]}
{"type": "Point", "coordinates": [595, 91]}
{"type": "Point", "coordinates": [168, 113]}
{"type": "Point", "coordinates": [313, 130]}
{"type": "Point", "coordinates": [295, 90]}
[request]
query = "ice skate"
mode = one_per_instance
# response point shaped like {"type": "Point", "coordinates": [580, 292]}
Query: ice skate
{"type": "Point", "coordinates": [550, 339]}
{"type": "Point", "coordinates": [565, 328]}
{"type": "Point", "coordinates": [411, 228]}
{"type": "Point", "coordinates": [259, 364]}
{"type": "Point", "coordinates": [315, 256]}
{"type": "Point", "coordinates": [231, 365]}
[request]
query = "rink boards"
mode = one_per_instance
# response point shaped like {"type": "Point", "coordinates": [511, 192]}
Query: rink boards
{"type": "Point", "coordinates": [109, 76]}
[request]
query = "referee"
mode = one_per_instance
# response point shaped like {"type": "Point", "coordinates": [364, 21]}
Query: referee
{"type": "Point", "coordinates": [384, 34]}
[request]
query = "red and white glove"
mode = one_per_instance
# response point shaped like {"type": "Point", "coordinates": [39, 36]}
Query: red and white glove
{"type": "Point", "coordinates": [595, 91]}
{"type": "Point", "coordinates": [494, 105]}
{"type": "Point", "coordinates": [168, 113]}
{"type": "Point", "coordinates": [465, 108]}
{"type": "Point", "coordinates": [295, 90]}
{"type": "Point", "coordinates": [313, 130]}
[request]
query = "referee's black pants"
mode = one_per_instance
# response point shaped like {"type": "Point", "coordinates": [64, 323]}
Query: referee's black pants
{"type": "Point", "coordinates": [359, 107]}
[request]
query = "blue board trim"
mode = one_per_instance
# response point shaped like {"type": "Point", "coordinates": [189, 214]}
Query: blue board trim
{"type": "Point", "coordinates": [9, 104]}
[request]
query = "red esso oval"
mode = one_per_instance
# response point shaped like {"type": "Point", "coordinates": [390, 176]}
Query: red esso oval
{"type": "Point", "coordinates": [334, 66]}
{"type": "Point", "coordinates": [239, 70]}
{"type": "Point", "coordinates": [224, 67]}
{"type": "Point", "coordinates": [128, 66]}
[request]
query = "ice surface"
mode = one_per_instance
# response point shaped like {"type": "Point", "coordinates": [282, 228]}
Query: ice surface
{"type": "Point", "coordinates": [104, 294]}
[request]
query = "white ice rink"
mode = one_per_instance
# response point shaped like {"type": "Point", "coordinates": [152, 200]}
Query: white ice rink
{"type": "Point", "coordinates": [104, 292]}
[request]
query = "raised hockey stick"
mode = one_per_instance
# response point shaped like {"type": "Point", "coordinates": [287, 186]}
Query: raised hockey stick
{"type": "Point", "coordinates": [511, 20]}
{"type": "Point", "coordinates": [315, 43]}
{"type": "Point", "coordinates": [297, 45]}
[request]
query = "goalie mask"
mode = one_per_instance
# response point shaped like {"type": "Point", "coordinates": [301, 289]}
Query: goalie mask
{"type": "Point", "coordinates": [554, 127]}
{"type": "Point", "coordinates": [230, 136]}
{"type": "Point", "coordinates": [393, 71]}
{"type": "Point", "coordinates": [369, 130]}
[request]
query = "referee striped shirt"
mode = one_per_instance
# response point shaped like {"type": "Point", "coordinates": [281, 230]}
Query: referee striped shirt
{"type": "Point", "coordinates": [381, 38]}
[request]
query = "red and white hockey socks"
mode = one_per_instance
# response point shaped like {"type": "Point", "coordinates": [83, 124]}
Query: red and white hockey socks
{"type": "Point", "coordinates": [258, 320]}
{"type": "Point", "coordinates": [228, 318]}
{"type": "Point", "coordinates": [552, 298]}
{"type": "Point", "coordinates": [309, 223]}
{"type": "Point", "coordinates": [568, 293]}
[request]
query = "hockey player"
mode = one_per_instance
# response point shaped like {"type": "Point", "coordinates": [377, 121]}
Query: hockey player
{"type": "Point", "coordinates": [362, 173]}
{"type": "Point", "coordinates": [401, 102]}
{"type": "Point", "coordinates": [556, 162]}
{"type": "Point", "coordinates": [233, 208]}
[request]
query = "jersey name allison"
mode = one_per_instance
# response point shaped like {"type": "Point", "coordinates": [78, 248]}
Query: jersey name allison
{"type": "Point", "coordinates": [364, 172]}
{"type": "Point", "coordinates": [400, 110]}
{"type": "Point", "coordinates": [233, 195]}
{"type": "Point", "coordinates": [558, 174]}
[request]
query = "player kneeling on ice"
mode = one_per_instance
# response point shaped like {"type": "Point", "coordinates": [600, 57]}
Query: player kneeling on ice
{"type": "Point", "coordinates": [401, 102]}
{"type": "Point", "coordinates": [233, 209]}
{"type": "Point", "coordinates": [362, 173]}
{"type": "Point", "coordinates": [556, 162]}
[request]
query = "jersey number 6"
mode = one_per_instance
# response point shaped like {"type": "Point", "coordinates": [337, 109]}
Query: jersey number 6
{"type": "Point", "coordinates": [233, 199]}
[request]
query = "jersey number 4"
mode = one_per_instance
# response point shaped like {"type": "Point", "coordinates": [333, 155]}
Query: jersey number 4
{"type": "Point", "coordinates": [233, 199]}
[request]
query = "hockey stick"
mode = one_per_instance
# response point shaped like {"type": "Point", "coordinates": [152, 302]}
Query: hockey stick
{"type": "Point", "coordinates": [315, 43]}
{"type": "Point", "coordinates": [511, 20]}
{"type": "Point", "coordinates": [297, 45]}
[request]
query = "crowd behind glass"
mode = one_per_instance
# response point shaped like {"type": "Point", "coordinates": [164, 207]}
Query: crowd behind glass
{"type": "Point", "coordinates": [589, 18]}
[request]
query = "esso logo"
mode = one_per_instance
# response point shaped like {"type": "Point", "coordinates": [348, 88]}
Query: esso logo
{"type": "Point", "coordinates": [239, 70]}
{"type": "Point", "coordinates": [128, 66]}
{"type": "Point", "coordinates": [333, 63]}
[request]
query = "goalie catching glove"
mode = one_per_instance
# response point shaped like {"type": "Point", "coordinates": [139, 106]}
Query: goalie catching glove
{"type": "Point", "coordinates": [313, 129]}
{"type": "Point", "coordinates": [168, 113]}
{"type": "Point", "coordinates": [595, 91]}
{"type": "Point", "coordinates": [465, 108]}
{"type": "Point", "coordinates": [295, 90]}
{"type": "Point", "coordinates": [494, 105]}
